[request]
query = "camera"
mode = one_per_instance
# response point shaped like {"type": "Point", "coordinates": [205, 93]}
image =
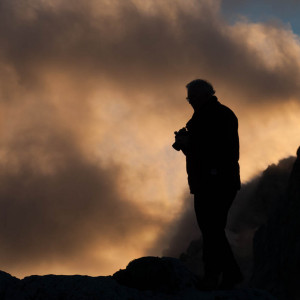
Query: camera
{"type": "Point", "coordinates": [181, 139]}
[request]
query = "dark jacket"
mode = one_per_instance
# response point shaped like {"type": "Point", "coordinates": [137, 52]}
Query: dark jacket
{"type": "Point", "coordinates": [213, 151]}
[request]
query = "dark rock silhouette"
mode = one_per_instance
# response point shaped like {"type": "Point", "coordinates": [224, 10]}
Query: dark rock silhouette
{"type": "Point", "coordinates": [164, 274]}
{"type": "Point", "coordinates": [149, 277]}
{"type": "Point", "coordinates": [277, 243]}
{"type": "Point", "coordinates": [7, 283]}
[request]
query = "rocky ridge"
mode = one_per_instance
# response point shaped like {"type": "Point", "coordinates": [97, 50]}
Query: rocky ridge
{"type": "Point", "coordinates": [277, 244]}
{"type": "Point", "coordinates": [144, 278]}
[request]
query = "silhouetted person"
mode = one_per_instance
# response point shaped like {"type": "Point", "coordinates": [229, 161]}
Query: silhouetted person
{"type": "Point", "coordinates": [211, 144]}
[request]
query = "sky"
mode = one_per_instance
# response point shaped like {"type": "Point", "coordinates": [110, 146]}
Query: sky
{"type": "Point", "coordinates": [90, 96]}
{"type": "Point", "coordinates": [264, 11]}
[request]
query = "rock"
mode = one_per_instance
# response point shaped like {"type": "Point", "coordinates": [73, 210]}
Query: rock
{"type": "Point", "coordinates": [53, 287]}
{"type": "Point", "coordinates": [7, 282]}
{"type": "Point", "coordinates": [170, 280]}
{"type": "Point", "coordinates": [277, 244]}
{"type": "Point", "coordinates": [164, 274]}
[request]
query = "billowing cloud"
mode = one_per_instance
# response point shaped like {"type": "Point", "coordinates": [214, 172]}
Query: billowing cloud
{"type": "Point", "coordinates": [90, 95]}
{"type": "Point", "coordinates": [64, 217]}
{"type": "Point", "coordinates": [160, 48]}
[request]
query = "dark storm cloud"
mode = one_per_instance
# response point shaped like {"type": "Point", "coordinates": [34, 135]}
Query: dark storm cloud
{"type": "Point", "coordinates": [141, 51]}
{"type": "Point", "coordinates": [60, 215]}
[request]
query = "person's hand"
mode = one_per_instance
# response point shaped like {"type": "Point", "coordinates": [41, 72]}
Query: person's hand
{"type": "Point", "coordinates": [183, 140]}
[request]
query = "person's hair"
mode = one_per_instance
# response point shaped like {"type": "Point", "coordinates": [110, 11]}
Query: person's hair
{"type": "Point", "coordinates": [201, 86]}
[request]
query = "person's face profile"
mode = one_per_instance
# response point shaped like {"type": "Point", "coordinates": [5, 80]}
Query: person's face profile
{"type": "Point", "coordinates": [196, 99]}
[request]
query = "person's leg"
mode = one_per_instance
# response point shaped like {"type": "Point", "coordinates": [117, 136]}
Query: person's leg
{"type": "Point", "coordinates": [231, 272]}
{"type": "Point", "coordinates": [205, 210]}
{"type": "Point", "coordinates": [211, 208]}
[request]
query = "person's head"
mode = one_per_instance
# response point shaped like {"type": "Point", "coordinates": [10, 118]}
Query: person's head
{"type": "Point", "coordinates": [199, 91]}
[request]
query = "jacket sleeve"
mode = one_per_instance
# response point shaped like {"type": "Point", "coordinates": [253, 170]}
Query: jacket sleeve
{"type": "Point", "coordinates": [227, 143]}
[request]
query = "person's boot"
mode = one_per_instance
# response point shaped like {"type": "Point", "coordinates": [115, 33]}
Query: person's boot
{"type": "Point", "coordinates": [208, 284]}
{"type": "Point", "coordinates": [210, 281]}
{"type": "Point", "coordinates": [229, 281]}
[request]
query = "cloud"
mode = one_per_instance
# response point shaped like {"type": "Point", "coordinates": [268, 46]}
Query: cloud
{"type": "Point", "coordinates": [90, 95]}
{"type": "Point", "coordinates": [184, 229]}
{"type": "Point", "coordinates": [67, 213]}
{"type": "Point", "coordinates": [159, 49]}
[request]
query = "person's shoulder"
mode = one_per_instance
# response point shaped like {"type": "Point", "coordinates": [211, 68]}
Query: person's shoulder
{"type": "Point", "coordinates": [226, 116]}
{"type": "Point", "coordinates": [226, 111]}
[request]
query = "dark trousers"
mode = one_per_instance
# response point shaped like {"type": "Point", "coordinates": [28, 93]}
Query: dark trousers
{"type": "Point", "coordinates": [211, 207]}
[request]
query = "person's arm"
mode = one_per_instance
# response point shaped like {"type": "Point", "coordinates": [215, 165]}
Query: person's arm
{"type": "Point", "coordinates": [228, 140]}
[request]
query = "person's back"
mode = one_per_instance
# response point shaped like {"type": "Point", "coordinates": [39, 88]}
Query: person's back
{"type": "Point", "coordinates": [213, 151]}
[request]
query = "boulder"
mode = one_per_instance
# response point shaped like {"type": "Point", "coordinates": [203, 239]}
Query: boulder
{"type": "Point", "coordinates": [277, 244]}
{"type": "Point", "coordinates": [164, 274]}
{"type": "Point", "coordinates": [7, 282]}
